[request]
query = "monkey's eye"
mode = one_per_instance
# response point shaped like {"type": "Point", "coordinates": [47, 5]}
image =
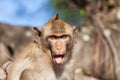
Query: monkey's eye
{"type": "Point", "coordinates": [64, 36]}
{"type": "Point", "coordinates": [52, 37]}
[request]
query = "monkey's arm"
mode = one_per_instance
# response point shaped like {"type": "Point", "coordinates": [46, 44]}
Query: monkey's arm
{"type": "Point", "coordinates": [16, 69]}
{"type": "Point", "coordinates": [46, 74]}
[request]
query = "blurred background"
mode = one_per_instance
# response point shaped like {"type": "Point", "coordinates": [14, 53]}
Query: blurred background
{"type": "Point", "coordinates": [34, 13]}
{"type": "Point", "coordinates": [98, 20]}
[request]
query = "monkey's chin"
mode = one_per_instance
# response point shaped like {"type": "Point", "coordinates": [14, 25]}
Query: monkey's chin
{"type": "Point", "coordinates": [58, 59]}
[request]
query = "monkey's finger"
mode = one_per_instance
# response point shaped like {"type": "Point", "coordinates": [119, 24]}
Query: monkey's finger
{"type": "Point", "coordinates": [2, 74]}
{"type": "Point", "coordinates": [6, 64]}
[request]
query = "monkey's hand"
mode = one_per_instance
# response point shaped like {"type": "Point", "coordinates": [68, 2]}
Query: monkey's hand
{"type": "Point", "coordinates": [2, 74]}
{"type": "Point", "coordinates": [4, 70]}
{"type": "Point", "coordinates": [6, 66]}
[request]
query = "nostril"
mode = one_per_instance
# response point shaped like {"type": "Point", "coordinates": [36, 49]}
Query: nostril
{"type": "Point", "coordinates": [58, 48]}
{"type": "Point", "coordinates": [58, 45]}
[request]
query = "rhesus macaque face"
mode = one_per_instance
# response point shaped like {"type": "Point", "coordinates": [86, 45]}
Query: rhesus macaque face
{"type": "Point", "coordinates": [58, 47]}
{"type": "Point", "coordinates": [57, 36]}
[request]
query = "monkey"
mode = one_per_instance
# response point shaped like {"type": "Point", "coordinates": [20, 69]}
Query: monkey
{"type": "Point", "coordinates": [5, 60]}
{"type": "Point", "coordinates": [31, 64]}
{"type": "Point", "coordinates": [2, 74]}
{"type": "Point", "coordinates": [4, 70]}
{"type": "Point", "coordinates": [4, 54]}
{"type": "Point", "coordinates": [49, 56]}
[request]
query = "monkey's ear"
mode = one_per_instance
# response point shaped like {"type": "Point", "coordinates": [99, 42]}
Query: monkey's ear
{"type": "Point", "coordinates": [76, 32]}
{"type": "Point", "coordinates": [75, 29]}
{"type": "Point", "coordinates": [37, 33]}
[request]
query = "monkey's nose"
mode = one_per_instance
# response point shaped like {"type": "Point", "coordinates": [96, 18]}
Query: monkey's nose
{"type": "Point", "coordinates": [59, 48]}
{"type": "Point", "coordinates": [58, 45]}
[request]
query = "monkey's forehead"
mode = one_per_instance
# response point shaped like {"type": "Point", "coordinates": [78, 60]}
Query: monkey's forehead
{"type": "Point", "coordinates": [49, 30]}
{"type": "Point", "coordinates": [57, 26]}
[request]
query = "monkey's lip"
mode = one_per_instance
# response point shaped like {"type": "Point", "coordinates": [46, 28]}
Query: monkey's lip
{"type": "Point", "coordinates": [58, 58]}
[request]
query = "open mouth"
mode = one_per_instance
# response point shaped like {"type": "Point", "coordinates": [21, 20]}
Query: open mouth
{"type": "Point", "coordinates": [58, 58]}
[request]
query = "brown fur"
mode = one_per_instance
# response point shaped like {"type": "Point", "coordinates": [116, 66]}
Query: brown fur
{"type": "Point", "coordinates": [36, 62]}
{"type": "Point", "coordinates": [4, 54]}
{"type": "Point", "coordinates": [31, 59]}
{"type": "Point", "coordinates": [5, 61]}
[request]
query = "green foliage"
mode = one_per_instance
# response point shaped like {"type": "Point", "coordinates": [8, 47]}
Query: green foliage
{"type": "Point", "coordinates": [82, 12]}
{"type": "Point", "coordinates": [67, 12]}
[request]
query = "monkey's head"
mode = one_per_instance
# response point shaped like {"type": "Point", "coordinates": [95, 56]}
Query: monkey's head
{"type": "Point", "coordinates": [57, 36]}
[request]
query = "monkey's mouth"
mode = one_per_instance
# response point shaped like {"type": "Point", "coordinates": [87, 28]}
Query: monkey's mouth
{"type": "Point", "coordinates": [58, 59]}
